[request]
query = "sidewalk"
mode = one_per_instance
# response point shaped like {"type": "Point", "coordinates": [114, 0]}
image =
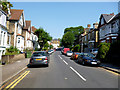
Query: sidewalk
{"type": "Point", "coordinates": [111, 67]}
{"type": "Point", "coordinates": [11, 69]}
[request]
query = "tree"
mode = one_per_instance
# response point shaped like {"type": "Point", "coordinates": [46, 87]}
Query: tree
{"type": "Point", "coordinates": [68, 39]}
{"type": "Point", "coordinates": [77, 31]}
{"type": "Point", "coordinates": [43, 37]}
{"type": "Point", "coordinates": [6, 5]}
{"type": "Point", "coordinates": [51, 46]}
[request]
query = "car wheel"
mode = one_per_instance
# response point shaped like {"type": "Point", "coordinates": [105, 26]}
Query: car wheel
{"type": "Point", "coordinates": [47, 65]}
{"type": "Point", "coordinates": [83, 63]}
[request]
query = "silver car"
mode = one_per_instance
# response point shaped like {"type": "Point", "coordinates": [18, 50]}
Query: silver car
{"type": "Point", "coordinates": [39, 58]}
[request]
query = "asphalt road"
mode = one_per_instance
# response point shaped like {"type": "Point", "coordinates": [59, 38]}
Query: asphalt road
{"type": "Point", "coordinates": [65, 73]}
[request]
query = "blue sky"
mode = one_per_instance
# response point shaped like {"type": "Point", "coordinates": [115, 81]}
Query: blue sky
{"type": "Point", "coordinates": [54, 17]}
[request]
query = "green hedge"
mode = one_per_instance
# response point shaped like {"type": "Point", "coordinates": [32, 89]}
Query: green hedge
{"type": "Point", "coordinates": [103, 51]}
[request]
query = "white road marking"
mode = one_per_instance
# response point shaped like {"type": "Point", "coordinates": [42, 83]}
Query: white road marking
{"type": "Point", "coordinates": [60, 56]}
{"type": "Point", "coordinates": [65, 62]}
{"type": "Point", "coordinates": [78, 74]}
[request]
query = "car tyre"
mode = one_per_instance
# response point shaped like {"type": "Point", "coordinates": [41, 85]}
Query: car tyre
{"type": "Point", "coordinates": [83, 63]}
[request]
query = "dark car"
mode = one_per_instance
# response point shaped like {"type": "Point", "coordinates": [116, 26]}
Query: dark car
{"type": "Point", "coordinates": [87, 59]}
{"type": "Point", "coordinates": [39, 58]}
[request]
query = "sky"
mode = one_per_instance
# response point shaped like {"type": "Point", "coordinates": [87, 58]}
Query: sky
{"type": "Point", "coordinates": [54, 17]}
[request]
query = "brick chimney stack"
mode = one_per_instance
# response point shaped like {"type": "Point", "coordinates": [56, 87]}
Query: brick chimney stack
{"type": "Point", "coordinates": [88, 26]}
{"type": "Point", "coordinates": [111, 13]}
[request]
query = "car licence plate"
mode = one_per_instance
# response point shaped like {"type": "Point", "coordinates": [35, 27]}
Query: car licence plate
{"type": "Point", "coordinates": [93, 63]}
{"type": "Point", "coordinates": [39, 59]}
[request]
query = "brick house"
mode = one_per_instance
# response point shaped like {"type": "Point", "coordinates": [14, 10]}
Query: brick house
{"type": "Point", "coordinates": [16, 22]}
{"type": "Point", "coordinates": [27, 35]}
{"type": "Point", "coordinates": [93, 36]}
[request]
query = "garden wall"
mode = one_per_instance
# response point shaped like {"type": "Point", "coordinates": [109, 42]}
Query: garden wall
{"type": "Point", "coordinates": [12, 58]}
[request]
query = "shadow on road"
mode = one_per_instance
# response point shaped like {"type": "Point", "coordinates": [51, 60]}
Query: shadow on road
{"type": "Point", "coordinates": [37, 66]}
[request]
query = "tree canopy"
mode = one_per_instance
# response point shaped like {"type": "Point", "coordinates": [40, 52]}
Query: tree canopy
{"type": "Point", "coordinates": [71, 36]}
{"type": "Point", "coordinates": [6, 5]}
{"type": "Point", "coordinates": [68, 39]}
{"type": "Point", "coordinates": [43, 37]}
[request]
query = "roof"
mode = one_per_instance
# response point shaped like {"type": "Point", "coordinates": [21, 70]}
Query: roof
{"type": "Point", "coordinates": [15, 14]}
{"type": "Point", "coordinates": [28, 24]}
{"type": "Point", "coordinates": [107, 17]}
{"type": "Point", "coordinates": [34, 29]}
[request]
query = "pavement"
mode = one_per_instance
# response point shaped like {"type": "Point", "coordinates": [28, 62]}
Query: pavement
{"type": "Point", "coordinates": [63, 73]}
{"type": "Point", "coordinates": [12, 69]}
{"type": "Point", "coordinates": [111, 67]}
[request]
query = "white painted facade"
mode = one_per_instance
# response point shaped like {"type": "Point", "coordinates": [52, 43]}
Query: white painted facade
{"type": "Point", "coordinates": [18, 34]}
{"type": "Point", "coordinates": [3, 33]}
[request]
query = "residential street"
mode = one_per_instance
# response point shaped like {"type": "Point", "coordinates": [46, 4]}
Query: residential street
{"type": "Point", "coordinates": [65, 73]}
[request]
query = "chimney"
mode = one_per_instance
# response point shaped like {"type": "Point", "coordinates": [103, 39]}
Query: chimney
{"type": "Point", "coordinates": [111, 13]}
{"type": "Point", "coordinates": [95, 25]}
{"type": "Point", "coordinates": [88, 26]}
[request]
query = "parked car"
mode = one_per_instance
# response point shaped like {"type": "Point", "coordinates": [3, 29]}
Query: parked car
{"type": "Point", "coordinates": [87, 59]}
{"type": "Point", "coordinates": [64, 51]}
{"type": "Point", "coordinates": [69, 53]}
{"type": "Point", "coordinates": [49, 51]}
{"type": "Point", "coordinates": [94, 51]}
{"type": "Point", "coordinates": [74, 56]}
{"type": "Point", "coordinates": [39, 58]}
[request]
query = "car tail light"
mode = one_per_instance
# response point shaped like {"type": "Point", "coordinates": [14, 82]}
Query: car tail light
{"type": "Point", "coordinates": [46, 58]}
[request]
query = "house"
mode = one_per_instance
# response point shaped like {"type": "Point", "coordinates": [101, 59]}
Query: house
{"type": "Point", "coordinates": [16, 22]}
{"type": "Point", "coordinates": [4, 35]}
{"type": "Point", "coordinates": [27, 35]}
{"type": "Point", "coordinates": [84, 39]}
{"type": "Point", "coordinates": [55, 43]}
{"type": "Point", "coordinates": [34, 38]}
{"type": "Point", "coordinates": [108, 27]}
{"type": "Point", "coordinates": [93, 37]}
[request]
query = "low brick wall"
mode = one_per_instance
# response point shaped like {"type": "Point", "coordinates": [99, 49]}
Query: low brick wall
{"type": "Point", "coordinates": [12, 58]}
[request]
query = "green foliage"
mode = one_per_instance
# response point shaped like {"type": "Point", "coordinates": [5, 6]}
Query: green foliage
{"type": "Point", "coordinates": [43, 37]}
{"type": "Point", "coordinates": [68, 39]}
{"type": "Point", "coordinates": [6, 5]}
{"type": "Point", "coordinates": [77, 31]}
{"type": "Point", "coordinates": [12, 49]}
{"type": "Point", "coordinates": [46, 46]}
{"type": "Point", "coordinates": [76, 48]}
{"type": "Point", "coordinates": [103, 50]}
{"type": "Point", "coordinates": [51, 46]}
{"type": "Point", "coordinates": [11, 53]}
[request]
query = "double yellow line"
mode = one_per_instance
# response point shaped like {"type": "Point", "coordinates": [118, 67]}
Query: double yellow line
{"type": "Point", "coordinates": [16, 81]}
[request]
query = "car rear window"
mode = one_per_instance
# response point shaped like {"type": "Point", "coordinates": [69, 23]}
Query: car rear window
{"type": "Point", "coordinates": [39, 54]}
{"type": "Point", "coordinates": [69, 51]}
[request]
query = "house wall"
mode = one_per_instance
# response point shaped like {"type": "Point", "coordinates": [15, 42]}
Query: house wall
{"type": "Point", "coordinates": [3, 33]}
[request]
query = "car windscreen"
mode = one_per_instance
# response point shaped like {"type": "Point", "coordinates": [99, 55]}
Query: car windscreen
{"type": "Point", "coordinates": [39, 54]}
{"type": "Point", "coordinates": [89, 55]}
{"type": "Point", "coordinates": [69, 51]}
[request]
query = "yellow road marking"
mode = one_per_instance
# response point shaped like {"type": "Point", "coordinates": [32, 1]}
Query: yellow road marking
{"type": "Point", "coordinates": [16, 80]}
{"type": "Point", "coordinates": [110, 71]}
{"type": "Point", "coordinates": [19, 80]}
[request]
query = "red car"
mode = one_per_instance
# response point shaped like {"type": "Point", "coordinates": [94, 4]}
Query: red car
{"type": "Point", "coordinates": [75, 55]}
{"type": "Point", "coordinates": [64, 51]}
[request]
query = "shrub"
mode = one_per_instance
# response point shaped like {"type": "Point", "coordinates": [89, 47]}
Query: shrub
{"type": "Point", "coordinates": [76, 48]}
{"type": "Point", "coordinates": [103, 51]}
{"type": "Point", "coordinates": [12, 50]}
